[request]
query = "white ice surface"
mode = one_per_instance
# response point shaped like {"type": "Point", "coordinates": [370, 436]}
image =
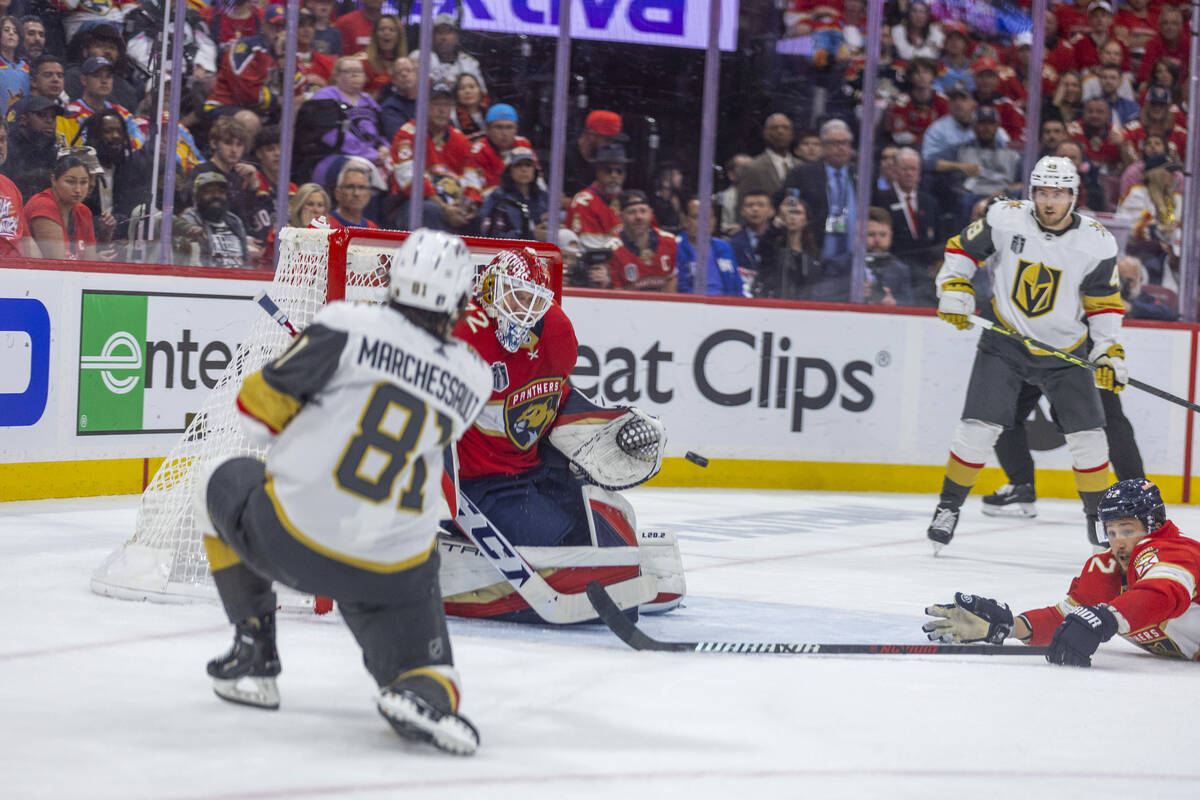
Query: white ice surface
{"type": "Point", "coordinates": [102, 698]}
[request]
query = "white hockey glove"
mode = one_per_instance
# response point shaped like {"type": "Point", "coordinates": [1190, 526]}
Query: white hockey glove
{"type": "Point", "coordinates": [969, 619]}
{"type": "Point", "coordinates": [622, 453]}
{"type": "Point", "coordinates": [957, 302]}
{"type": "Point", "coordinates": [1111, 372]}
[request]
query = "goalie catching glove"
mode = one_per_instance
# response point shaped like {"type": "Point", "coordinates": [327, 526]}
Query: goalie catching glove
{"type": "Point", "coordinates": [1111, 372]}
{"type": "Point", "coordinates": [969, 619]}
{"type": "Point", "coordinates": [957, 302]}
{"type": "Point", "coordinates": [620, 453]}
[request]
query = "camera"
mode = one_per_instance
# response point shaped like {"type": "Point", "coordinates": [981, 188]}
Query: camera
{"type": "Point", "coordinates": [590, 257]}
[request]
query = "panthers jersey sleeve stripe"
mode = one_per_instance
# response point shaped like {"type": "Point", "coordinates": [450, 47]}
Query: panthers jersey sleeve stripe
{"type": "Point", "coordinates": [260, 400]}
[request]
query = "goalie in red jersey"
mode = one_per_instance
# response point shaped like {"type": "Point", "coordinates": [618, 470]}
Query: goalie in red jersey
{"type": "Point", "coordinates": [544, 463]}
{"type": "Point", "coordinates": [1143, 588]}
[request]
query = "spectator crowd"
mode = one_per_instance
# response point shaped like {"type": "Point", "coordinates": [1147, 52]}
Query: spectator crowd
{"type": "Point", "coordinates": [79, 87]}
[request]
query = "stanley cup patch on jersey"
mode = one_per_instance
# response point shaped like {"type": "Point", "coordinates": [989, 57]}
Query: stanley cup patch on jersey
{"type": "Point", "coordinates": [1035, 287]}
{"type": "Point", "coordinates": [530, 409]}
{"type": "Point", "coordinates": [1018, 244]}
{"type": "Point", "coordinates": [499, 376]}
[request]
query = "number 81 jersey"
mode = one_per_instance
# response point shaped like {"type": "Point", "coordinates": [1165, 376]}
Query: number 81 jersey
{"type": "Point", "coordinates": [1046, 283]}
{"type": "Point", "coordinates": [364, 403]}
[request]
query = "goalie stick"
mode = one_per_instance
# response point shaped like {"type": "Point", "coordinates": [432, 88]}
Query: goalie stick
{"type": "Point", "coordinates": [1079, 362]}
{"type": "Point", "coordinates": [638, 639]}
{"type": "Point", "coordinates": [558, 608]}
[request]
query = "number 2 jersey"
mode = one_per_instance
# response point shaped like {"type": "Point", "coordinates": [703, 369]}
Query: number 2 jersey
{"type": "Point", "coordinates": [1045, 283]}
{"type": "Point", "coordinates": [364, 403]}
{"type": "Point", "coordinates": [528, 387]}
{"type": "Point", "coordinates": [1156, 599]}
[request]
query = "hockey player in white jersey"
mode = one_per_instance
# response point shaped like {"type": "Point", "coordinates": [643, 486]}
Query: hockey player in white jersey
{"type": "Point", "coordinates": [358, 413]}
{"type": "Point", "coordinates": [1055, 280]}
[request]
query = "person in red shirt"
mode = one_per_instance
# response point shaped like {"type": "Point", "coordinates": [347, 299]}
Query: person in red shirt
{"type": "Point", "coordinates": [489, 153]}
{"type": "Point", "coordinates": [381, 52]}
{"type": "Point", "coordinates": [911, 113]}
{"type": "Point", "coordinates": [646, 258]}
{"type": "Point", "coordinates": [356, 26]}
{"type": "Point", "coordinates": [1072, 18]}
{"type": "Point", "coordinates": [315, 68]}
{"type": "Point", "coordinates": [248, 80]}
{"type": "Point", "coordinates": [1087, 44]}
{"type": "Point", "coordinates": [1156, 117]}
{"type": "Point", "coordinates": [1136, 24]}
{"type": "Point", "coordinates": [13, 231]}
{"type": "Point", "coordinates": [57, 219]}
{"type": "Point", "coordinates": [1142, 588]}
{"type": "Point", "coordinates": [242, 20]}
{"type": "Point", "coordinates": [592, 215]}
{"type": "Point", "coordinates": [987, 82]}
{"type": "Point", "coordinates": [1169, 42]}
{"type": "Point", "coordinates": [1096, 134]}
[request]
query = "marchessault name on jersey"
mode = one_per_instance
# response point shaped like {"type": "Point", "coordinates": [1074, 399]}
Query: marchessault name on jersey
{"type": "Point", "coordinates": [428, 377]}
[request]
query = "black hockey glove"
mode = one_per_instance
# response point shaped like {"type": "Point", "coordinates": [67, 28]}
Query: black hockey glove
{"type": "Point", "coordinates": [970, 619]}
{"type": "Point", "coordinates": [1078, 636]}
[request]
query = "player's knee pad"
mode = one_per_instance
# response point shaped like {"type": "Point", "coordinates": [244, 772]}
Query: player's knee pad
{"type": "Point", "coordinates": [611, 518]}
{"type": "Point", "coordinates": [1089, 449]}
{"type": "Point", "coordinates": [973, 440]}
{"type": "Point", "coordinates": [658, 550]}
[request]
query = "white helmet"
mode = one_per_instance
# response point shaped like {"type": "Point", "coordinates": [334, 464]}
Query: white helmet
{"type": "Point", "coordinates": [431, 270]}
{"type": "Point", "coordinates": [514, 289]}
{"type": "Point", "coordinates": [1056, 171]}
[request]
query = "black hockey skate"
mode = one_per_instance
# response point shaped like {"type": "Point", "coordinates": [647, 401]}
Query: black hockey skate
{"type": "Point", "coordinates": [246, 674]}
{"type": "Point", "coordinates": [941, 529]}
{"type": "Point", "coordinates": [1011, 500]}
{"type": "Point", "coordinates": [415, 718]}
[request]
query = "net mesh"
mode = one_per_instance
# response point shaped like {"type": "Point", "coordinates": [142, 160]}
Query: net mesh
{"type": "Point", "coordinates": [164, 560]}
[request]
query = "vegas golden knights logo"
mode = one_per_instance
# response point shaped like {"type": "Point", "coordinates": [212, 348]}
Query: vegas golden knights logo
{"type": "Point", "coordinates": [1035, 287]}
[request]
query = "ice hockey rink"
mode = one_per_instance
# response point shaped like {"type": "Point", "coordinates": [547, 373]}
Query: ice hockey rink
{"type": "Point", "coordinates": [103, 698]}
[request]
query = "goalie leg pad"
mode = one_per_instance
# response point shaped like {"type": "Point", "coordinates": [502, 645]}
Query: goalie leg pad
{"type": "Point", "coordinates": [610, 517]}
{"type": "Point", "coordinates": [659, 551]}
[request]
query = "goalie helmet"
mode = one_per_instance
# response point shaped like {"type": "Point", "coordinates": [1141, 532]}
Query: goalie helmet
{"type": "Point", "coordinates": [514, 289]}
{"type": "Point", "coordinates": [1058, 172]}
{"type": "Point", "coordinates": [1133, 498]}
{"type": "Point", "coordinates": [432, 271]}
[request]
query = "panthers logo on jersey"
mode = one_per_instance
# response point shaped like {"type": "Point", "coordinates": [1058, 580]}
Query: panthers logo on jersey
{"type": "Point", "coordinates": [1035, 287]}
{"type": "Point", "coordinates": [530, 411]}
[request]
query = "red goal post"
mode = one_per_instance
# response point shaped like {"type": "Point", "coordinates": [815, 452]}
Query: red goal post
{"type": "Point", "coordinates": [164, 560]}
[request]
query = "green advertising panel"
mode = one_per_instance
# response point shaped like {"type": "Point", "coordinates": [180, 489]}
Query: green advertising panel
{"type": "Point", "coordinates": [112, 364]}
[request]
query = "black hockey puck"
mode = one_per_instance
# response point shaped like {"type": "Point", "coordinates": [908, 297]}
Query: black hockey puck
{"type": "Point", "coordinates": [696, 458]}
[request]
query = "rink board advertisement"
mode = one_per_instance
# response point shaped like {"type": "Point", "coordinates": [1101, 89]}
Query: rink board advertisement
{"type": "Point", "coordinates": [111, 365]}
{"type": "Point", "coordinates": [96, 368]}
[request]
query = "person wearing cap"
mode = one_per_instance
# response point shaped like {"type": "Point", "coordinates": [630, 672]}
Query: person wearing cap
{"type": "Point", "coordinates": [645, 258]}
{"type": "Point", "coordinates": [1156, 117]}
{"type": "Point", "coordinates": [767, 170]}
{"type": "Point", "coordinates": [1154, 211]}
{"type": "Point", "coordinates": [912, 112]}
{"type": "Point", "coordinates": [987, 82]}
{"type": "Point", "coordinates": [46, 76]}
{"type": "Point", "coordinates": [600, 128]}
{"type": "Point", "coordinates": [489, 154]}
{"type": "Point", "coordinates": [592, 213]}
{"type": "Point", "coordinates": [248, 76]}
{"type": "Point", "coordinates": [722, 276]}
{"type": "Point", "coordinates": [449, 59]}
{"type": "Point", "coordinates": [447, 155]}
{"type": "Point", "coordinates": [518, 207]}
{"type": "Point", "coordinates": [356, 26]}
{"type": "Point", "coordinates": [1170, 42]}
{"type": "Point", "coordinates": [124, 180]}
{"type": "Point", "coordinates": [398, 100]}
{"type": "Point", "coordinates": [32, 149]}
{"type": "Point", "coordinates": [208, 234]}
{"type": "Point", "coordinates": [58, 221]}
{"type": "Point", "coordinates": [14, 235]}
{"type": "Point", "coordinates": [999, 166]}
{"type": "Point", "coordinates": [97, 79]}
{"type": "Point", "coordinates": [1152, 145]}
{"type": "Point", "coordinates": [1072, 17]}
{"type": "Point", "coordinates": [1087, 43]}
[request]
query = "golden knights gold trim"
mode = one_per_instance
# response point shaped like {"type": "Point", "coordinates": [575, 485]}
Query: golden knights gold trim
{"type": "Point", "coordinates": [1035, 287]}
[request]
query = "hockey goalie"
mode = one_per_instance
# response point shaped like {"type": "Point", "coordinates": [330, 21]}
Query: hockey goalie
{"type": "Point", "coordinates": [544, 463]}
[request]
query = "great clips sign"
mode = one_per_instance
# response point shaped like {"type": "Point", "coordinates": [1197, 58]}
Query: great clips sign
{"type": "Point", "coordinates": [676, 23]}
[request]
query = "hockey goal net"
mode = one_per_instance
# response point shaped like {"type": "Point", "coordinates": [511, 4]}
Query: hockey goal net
{"type": "Point", "coordinates": [164, 560]}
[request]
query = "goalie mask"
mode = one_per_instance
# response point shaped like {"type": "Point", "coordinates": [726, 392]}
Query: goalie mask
{"type": "Point", "coordinates": [1057, 172]}
{"type": "Point", "coordinates": [514, 289]}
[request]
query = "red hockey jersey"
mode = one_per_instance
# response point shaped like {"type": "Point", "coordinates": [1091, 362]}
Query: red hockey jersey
{"type": "Point", "coordinates": [528, 387]}
{"type": "Point", "coordinates": [594, 221]}
{"type": "Point", "coordinates": [450, 157]}
{"type": "Point", "coordinates": [907, 119]}
{"type": "Point", "coordinates": [1157, 597]}
{"type": "Point", "coordinates": [486, 165]}
{"type": "Point", "coordinates": [648, 269]}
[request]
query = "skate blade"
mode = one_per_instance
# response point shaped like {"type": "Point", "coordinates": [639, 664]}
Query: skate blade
{"type": "Point", "coordinates": [937, 546]}
{"type": "Point", "coordinates": [420, 722]}
{"type": "Point", "coordinates": [1026, 510]}
{"type": "Point", "coordinates": [248, 691]}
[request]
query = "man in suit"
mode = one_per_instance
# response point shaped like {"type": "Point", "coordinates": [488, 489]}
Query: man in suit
{"type": "Point", "coordinates": [827, 186]}
{"type": "Point", "coordinates": [766, 171]}
{"type": "Point", "coordinates": [758, 209]}
{"type": "Point", "coordinates": [915, 213]}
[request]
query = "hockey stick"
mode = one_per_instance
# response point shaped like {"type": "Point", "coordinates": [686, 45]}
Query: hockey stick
{"type": "Point", "coordinates": [552, 606]}
{"type": "Point", "coordinates": [1079, 362]}
{"type": "Point", "coordinates": [638, 639]}
{"type": "Point", "coordinates": [555, 607]}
